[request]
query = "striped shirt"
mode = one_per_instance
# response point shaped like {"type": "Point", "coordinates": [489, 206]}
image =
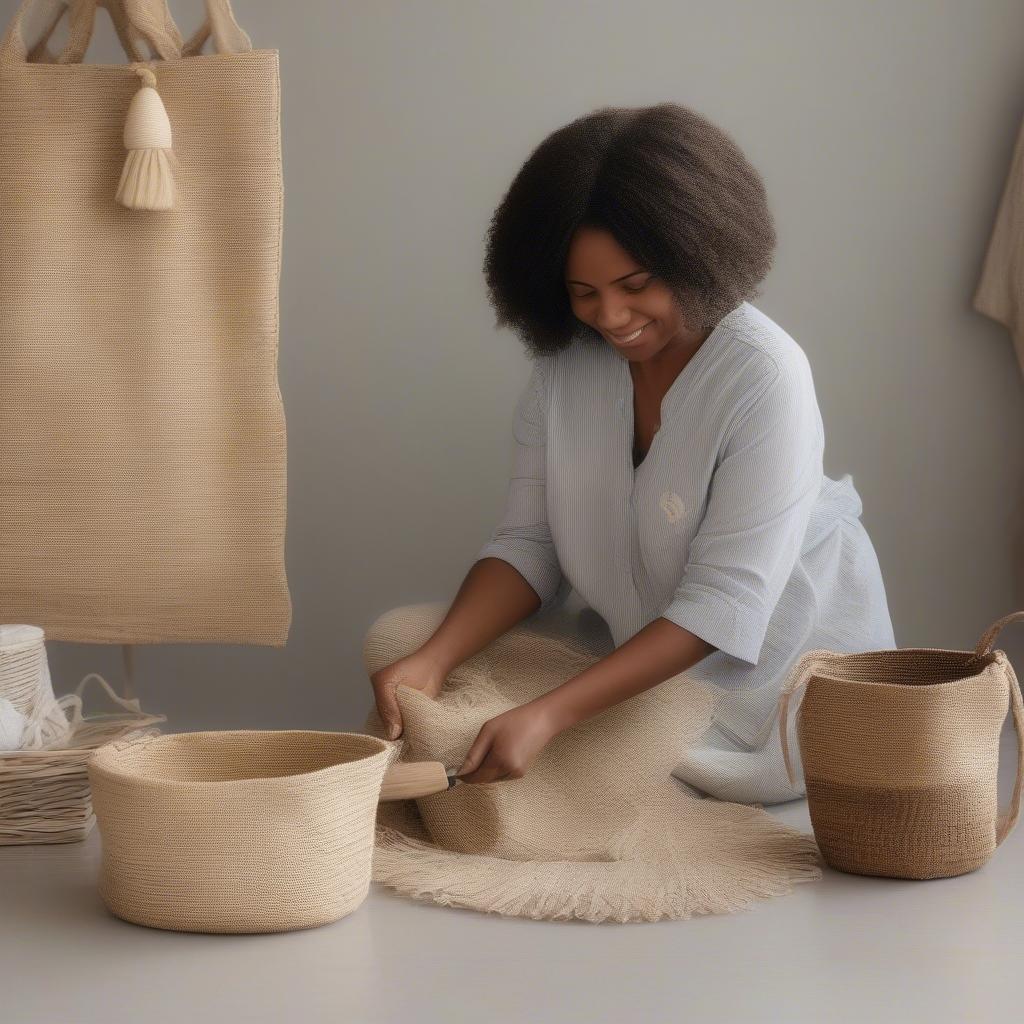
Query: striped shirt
{"type": "Point", "coordinates": [728, 527]}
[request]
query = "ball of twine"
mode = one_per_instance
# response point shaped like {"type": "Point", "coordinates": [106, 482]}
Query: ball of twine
{"type": "Point", "coordinates": [25, 686]}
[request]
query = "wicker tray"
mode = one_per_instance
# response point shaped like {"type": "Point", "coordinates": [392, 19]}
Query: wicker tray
{"type": "Point", "coordinates": [44, 794]}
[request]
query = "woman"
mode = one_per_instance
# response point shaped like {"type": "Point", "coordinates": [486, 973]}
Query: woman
{"type": "Point", "coordinates": [668, 454]}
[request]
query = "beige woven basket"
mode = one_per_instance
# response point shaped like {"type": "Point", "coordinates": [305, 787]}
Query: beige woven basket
{"type": "Point", "coordinates": [900, 752]}
{"type": "Point", "coordinates": [247, 830]}
{"type": "Point", "coordinates": [44, 794]}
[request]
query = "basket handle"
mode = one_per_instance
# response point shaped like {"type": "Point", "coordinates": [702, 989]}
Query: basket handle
{"type": "Point", "coordinates": [805, 667]}
{"type": "Point", "coordinates": [988, 638]}
{"type": "Point", "coordinates": [1006, 821]}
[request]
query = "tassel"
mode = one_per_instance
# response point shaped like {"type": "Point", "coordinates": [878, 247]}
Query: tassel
{"type": "Point", "coordinates": [147, 182]}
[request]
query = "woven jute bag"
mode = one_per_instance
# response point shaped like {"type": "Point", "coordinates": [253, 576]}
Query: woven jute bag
{"type": "Point", "coordinates": [244, 831]}
{"type": "Point", "coordinates": [142, 432]}
{"type": "Point", "coordinates": [900, 752]}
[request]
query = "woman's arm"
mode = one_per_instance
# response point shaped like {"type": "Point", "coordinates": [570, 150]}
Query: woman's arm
{"type": "Point", "coordinates": [492, 599]}
{"type": "Point", "coordinates": [659, 651]}
{"type": "Point", "coordinates": [506, 745]}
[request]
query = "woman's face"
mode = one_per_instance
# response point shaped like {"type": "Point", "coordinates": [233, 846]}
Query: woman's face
{"type": "Point", "coordinates": [610, 292]}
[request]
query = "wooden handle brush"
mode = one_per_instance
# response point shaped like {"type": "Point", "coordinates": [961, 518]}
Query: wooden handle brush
{"type": "Point", "coordinates": [410, 779]}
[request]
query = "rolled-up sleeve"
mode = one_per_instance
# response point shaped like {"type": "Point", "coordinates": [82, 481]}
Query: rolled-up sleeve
{"type": "Point", "coordinates": [523, 537]}
{"type": "Point", "coordinates": [759, 504]}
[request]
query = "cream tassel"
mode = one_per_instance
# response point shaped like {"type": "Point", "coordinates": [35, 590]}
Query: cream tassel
{"type": "Point", "coordinates": [147, 182]}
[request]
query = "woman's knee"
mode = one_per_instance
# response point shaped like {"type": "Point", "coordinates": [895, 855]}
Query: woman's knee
{"type": "Point", "coordinates": [399, 632]}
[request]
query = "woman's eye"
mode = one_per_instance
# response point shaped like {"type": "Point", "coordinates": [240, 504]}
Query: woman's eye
{"type": "Point", "coordinates": [586, 295]}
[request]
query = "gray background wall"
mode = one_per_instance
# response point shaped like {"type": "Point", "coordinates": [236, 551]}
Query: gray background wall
{"type": "Point", "coordinates": [884, 134]}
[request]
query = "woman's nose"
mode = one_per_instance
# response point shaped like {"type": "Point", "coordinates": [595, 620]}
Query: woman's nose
{"type": "Point", "coordinates": [613, 317]}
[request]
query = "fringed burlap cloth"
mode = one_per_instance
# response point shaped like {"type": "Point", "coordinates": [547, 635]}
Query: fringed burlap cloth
{"type": "Point", "coordinates": [597, 829]}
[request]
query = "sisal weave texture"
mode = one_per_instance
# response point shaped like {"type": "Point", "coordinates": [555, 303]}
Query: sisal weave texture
{"type": "Point", "coordinates": [597, 829]}
{"type": "Point", "coordinates": [900, 755]}
{"type": "Point", "coordinates": [142, 432]}
{"type": "Point", "coordinates": [242, 831]}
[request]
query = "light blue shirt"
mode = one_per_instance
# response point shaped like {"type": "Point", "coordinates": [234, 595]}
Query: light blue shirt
{"type": "Point", "coordinates": [728, 527]}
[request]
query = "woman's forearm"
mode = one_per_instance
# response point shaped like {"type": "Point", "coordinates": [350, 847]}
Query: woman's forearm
{"type": "Point", "coordinates": [492, 599]}
{"type": "Point", "coordinates": [659, 651]}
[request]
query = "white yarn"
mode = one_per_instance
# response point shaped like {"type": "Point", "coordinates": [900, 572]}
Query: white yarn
{"type": "Point", "coordinates": [12, 726]}
{"type": "Point", "coordinates": [25, 683]}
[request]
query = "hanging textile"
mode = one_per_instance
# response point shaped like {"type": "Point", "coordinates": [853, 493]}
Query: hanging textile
{"type": "Point", "coordinates": [1000, 290]}
{"type": "Point", "coordinates": [142, 433]}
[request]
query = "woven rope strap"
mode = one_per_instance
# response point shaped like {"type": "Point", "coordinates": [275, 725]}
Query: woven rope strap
{"type": "Point", "coordinates": [134, 21]}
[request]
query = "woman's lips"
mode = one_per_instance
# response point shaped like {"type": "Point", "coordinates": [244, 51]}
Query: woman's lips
{"type": "Point", "coordinates": [631, 339]}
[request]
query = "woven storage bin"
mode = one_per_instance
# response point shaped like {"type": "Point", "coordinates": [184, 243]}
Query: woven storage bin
{"type": "Point", "coordinates": [44, 794]}
{"type": "Point", "coordinates": [240, 831]}
{"type": "Point", "coordinates": [900, 752]}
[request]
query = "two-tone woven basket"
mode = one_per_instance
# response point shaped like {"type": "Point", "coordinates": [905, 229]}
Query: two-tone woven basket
{"type": "Point", "coordinates": [45, 795]}
{"type": "Point", "coordinates": [900, 752]}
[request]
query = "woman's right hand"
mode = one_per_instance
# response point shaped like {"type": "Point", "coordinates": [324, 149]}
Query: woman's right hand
{"type": "Point", "coordinates": [414, 671]}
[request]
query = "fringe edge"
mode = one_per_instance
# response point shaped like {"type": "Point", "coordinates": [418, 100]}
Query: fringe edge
{"type": "Point", "coordinates": [648, 879]}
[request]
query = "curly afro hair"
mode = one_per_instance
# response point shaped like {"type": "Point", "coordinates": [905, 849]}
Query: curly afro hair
{"type": "Point", "coordinates": [674, 191]}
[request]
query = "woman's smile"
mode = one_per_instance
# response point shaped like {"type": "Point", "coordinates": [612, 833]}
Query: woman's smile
{"type": "Point", "coordinates": [629, 339]}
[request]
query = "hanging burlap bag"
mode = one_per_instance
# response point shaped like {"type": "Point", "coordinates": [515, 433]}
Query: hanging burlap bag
{"type": "Point", "coordinates": [142, 434]}
{"type": "Point", "coordinates": [597, 829]}
{"type": "Point", "coordinates": [900, 755]}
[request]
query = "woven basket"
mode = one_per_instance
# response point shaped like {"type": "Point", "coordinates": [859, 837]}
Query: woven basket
{"type": "Point", "coordinates": [239, 831]}
{"type": "Point", "coordinates": [900, 752]}
{"type": "Point", "coordinates": [44, 794]}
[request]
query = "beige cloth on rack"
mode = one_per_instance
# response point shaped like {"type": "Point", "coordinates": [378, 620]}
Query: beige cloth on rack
{"type": "Point", "coordinates": [142, 432]}
{"type": "Point", "coordinates": [597, 829]}
{"type": "Point", "coordinates": [1000, 290]}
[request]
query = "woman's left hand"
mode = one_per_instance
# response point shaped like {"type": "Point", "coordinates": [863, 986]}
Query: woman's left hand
{"type": "Point", "coordinates": [506, 745]}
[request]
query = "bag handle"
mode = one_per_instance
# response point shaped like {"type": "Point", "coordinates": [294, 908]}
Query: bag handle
{"type": "Point", "coordinates": [40, 54]}
{"type": "Point", "coordinates": [149, 19]}
{"type": "Point", "coordinates": [228, 35]}
{"type": "Point", "coordinates": [156, 27]}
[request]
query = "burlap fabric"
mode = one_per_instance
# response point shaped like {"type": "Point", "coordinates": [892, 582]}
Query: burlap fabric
{"type": "Point", "coordinates": [142, 433]}
{"type": "Point", "coordinates": [597, 829]}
